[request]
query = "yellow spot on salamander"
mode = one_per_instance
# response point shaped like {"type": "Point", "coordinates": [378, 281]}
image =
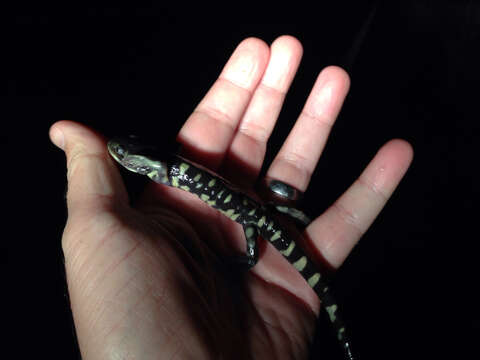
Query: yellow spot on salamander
{"type": "Point", "coordinates": [175, 182]}
{"type": "Point", "coordinates": [313, 279]}
{"type": "Point", "coordinates": [228, 212]}
{"type": "Point", "coordinates": [270, 225]}
{"type": "Point", "coordinates": [153, 174]}
{"type": "Point", "coordinates": [228, 198]}
{"type": "Point", "coordinates": [276, 236]}
{"type": "Point", "coordinates": [288, 251]}
{"type": "Point", "coordinates": [249, 232]}
{"type": "Point", "coordinates": [331, 312]}
{"type": "Point", "coordinates": [300, 263]}
{"type": "Point", "coordinates": [185, 187]}
{"type": "Point", "coordinates": [206, 198]}
{"type": "Point", "coordinates": [220, 194]}
{"type": "Point", "coordinates": [211, 183]}
{"type": "Point", "coordinates": [262, 221]}
{"type": "Point", "coordinates": [183, 167]}
{"type": "Point", "coordinates": [198, 186]}
{"type": "Point", "coordinates": [251, 212]}
{"type": "Point", "coordinates": [197, 177]}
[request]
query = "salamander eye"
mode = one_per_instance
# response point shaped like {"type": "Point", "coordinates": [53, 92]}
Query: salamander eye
{"type": "Point", "coordinates": [116, 150]}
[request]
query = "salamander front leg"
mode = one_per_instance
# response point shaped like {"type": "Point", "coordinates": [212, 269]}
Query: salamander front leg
{"type": "Point", "coordinates": [251, 237]}
{"type": "Point", "coordinates": [247, 261]}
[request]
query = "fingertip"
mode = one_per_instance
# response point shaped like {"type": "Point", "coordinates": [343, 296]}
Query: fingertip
{"type": "Point", "coordinates": [400, 152]}
{"type": "Point", "coordinates": [337, 73]}
{"type": "Point", "coordinates": [404, 147]}
{"type": "Point", "coordinates": [93, 180]}
{"type": "Point", "coordinates": [247, 63]}
{"type": "Point", "coordinates": [290, 42]}
{"type": "Point", "coordinates": [56, 136]}
{"type": "Point", "coordinates": [254, 44]}
{"type": "Point", "coordinates": [74, 135]}
{"type": "Point", "coordinates": [285, 56]}
{"type": "Point", "coordinates": [388, 166]}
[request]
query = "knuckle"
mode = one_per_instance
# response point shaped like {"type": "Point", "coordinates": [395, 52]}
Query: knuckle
{"type": "Point", "coordinates": [258, 133]}
{"type": "Point", "coordinates": [348, 217]}
{"type": "Point", "coordinates": [299, 163]}
{"type": "Point", "coordinates": [372, 188]}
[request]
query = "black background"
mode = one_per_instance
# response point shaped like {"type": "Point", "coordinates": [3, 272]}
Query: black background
{"type": "Point", "coordinates": [409, 288]}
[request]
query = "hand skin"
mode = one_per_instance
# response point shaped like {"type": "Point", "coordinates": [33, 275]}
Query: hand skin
{"type": "Point", "coordinates": [148, 282]}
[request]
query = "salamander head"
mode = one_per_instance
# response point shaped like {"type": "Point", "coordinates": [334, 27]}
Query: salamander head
{"type": "Point", "coordinates": [138, 158]}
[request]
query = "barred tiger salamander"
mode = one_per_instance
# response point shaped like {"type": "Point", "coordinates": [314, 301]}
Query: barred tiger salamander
{"type": "Point", "coordinates": [256, 219]}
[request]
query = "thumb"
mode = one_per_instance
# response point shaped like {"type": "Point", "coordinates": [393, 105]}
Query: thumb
{"type": "Point", "coordinates": [94, 183]}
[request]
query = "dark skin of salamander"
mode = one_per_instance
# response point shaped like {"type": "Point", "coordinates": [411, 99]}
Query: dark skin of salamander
{"type": "Point", "coordinates": [255, 218]}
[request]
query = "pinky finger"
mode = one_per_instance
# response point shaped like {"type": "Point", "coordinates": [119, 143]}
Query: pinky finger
{"type": "Point", "coordinates": [336, 232]}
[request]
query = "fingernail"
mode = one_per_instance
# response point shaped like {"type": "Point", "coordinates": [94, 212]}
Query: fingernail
{"type": "Point", "coordinates": [57, 137]}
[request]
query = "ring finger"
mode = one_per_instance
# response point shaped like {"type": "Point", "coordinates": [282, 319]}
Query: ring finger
{"type": "Point", "coordinates": [297, 158]}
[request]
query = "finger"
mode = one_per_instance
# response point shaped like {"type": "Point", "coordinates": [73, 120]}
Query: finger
{"type": "Point", "coordinates": [210, 128]}
{"type": "Point", "coordinates": [296, 160]}
{"type": "Point", "coordinates": [249, 143]}
{"type": "Point", "coordinates": [93, 181]}
{"type": "Point", "coordinates": [337, 231]}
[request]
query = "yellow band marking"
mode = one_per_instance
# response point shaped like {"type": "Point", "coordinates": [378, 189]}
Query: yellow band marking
{"type": "Point", "coordinates": [276, 236]}
{"type": "Point", "coordinates": [183, 167]}
{"type": "Point", "coordinates": [288, 251]}
{"type": "Point", "coordinates": [300, 263]}
{"type": "Point", "coordinates": [270, 225]}
{"type": "Point", "coordinates": [153, 174]}
{"type": "Point", "coordinates": [262, 221]}
{"type": "Point", "coordinates": [175, 182]}
{"type": "Point", "coordinates": [314, 279]}
{"type": "Point", "coordinates": [331, 312]}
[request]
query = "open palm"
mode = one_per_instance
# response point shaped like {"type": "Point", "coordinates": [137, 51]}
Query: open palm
{"type": "Point", "coordinates": [150, 281]}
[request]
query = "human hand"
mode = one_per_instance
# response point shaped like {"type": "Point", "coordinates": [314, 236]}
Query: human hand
{"type": "Point", "coordinates": [147, 281]}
